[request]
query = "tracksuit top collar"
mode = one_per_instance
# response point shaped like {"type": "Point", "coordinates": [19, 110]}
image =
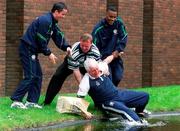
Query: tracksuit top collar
{"type": "Point", "coordinates": [53, 19]}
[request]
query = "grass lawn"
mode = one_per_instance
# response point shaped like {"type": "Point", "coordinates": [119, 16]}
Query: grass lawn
{"type": "Point", "coordinates": [165, 98]}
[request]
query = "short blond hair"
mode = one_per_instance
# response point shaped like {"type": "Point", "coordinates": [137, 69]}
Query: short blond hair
{"type": "Point", "coordinates": [86, 36]}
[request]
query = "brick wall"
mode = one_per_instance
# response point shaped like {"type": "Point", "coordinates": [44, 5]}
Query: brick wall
{"type": "Point", "coordinates": [147, 47]}
{"type": "Point", "coordinates": [2, 46]}
{"type": "Point", "coordinates": [166, 43]}
{"type": "Point", "coordinates": [151, 56]}
{"type": "Point", "coordinates": [14, 30]}
{"type": "Point", "coordinates": [133, 19]}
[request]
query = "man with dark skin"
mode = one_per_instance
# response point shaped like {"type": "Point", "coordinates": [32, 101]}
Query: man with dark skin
{"type": "Point", "coordinates": [110, 36]}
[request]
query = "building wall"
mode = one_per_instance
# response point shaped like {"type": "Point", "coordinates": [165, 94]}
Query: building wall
{"type": "Point", "coordinates": [14, 30]}
{"type": "Point", "coordinates": [2, 46]}
{"type": "Point", "coordinates": [151, 56]}
{"type": "Point", "coordinates": [133, 19]}
{"type": "Point", "coordinates": [166, 43]}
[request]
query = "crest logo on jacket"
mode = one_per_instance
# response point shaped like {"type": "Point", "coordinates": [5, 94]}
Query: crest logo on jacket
{"type": "Point", "coordinates": [97, 83]}
{"type": "Point", "coordinates": [51, 32]}
{"type": "Point", "coordinates": [111, 103]}
{"type": "Point", "coordinates": [115, 31]}
{"type": "Point", "coordinates": [33, 57]}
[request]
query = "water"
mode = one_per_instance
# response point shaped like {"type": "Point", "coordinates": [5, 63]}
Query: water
{"type": "Point", "coordinates": [167, 123]}
{"type": "Point", "coordinates": [156, 123]}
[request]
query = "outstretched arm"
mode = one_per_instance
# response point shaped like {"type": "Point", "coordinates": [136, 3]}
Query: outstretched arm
{"type": "Point", "coordinates": [78, 75]}
{"type": "Point", "coordinates": [86, 114]}
{"type": "Point", "coordinates": [82, 92]}
{"type": "Point", "coordinates": [83, 86]}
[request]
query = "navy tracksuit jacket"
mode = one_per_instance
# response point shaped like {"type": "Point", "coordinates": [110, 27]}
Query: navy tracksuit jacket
{"type": "Point", "coordinates": [109, 38]}
{"type": "Point", "coordinates": [35, 41]}
{"type": "Point", "coordinates": [106, 96]}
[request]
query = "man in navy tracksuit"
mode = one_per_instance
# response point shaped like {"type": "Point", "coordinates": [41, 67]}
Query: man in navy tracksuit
{"type": "Point", "coordinates": [110, 36]}
{"type": "Point", "coordinates": [33, 42]}
{"type": "Point", "coordinates": [107, 97]}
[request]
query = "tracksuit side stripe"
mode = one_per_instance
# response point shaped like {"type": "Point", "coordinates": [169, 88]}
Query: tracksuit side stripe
{"type": "Point", "coordinates": [118, 111]}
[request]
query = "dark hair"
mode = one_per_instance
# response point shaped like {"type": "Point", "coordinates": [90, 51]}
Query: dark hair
{"type": "Point", "coordinates": [112, 8]}
{"type": "Point", "coordinates": [58, 6]}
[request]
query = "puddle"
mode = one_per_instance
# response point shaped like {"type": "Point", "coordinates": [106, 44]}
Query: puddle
{"type": "Point", "coordinates": [156, 123]}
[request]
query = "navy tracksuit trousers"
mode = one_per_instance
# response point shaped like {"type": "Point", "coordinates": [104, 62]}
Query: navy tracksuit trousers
{"type": "Point", "coordinates": [32, 81]}
{"type": "Point", "coordinates": [116, 70]}
{"type": "Point", "coordinates": [125, 100]}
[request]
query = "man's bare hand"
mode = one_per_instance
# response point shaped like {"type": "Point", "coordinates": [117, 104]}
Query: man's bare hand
{"type": "Point", "coordinates": [115, 54]}
{"type": "Point", "coordinates": [69, 51]}
{"type": "Point", "coordinates": [87, 115]}
{"type": "Point", "coordinates": [53, 58]}
{"type": "Point", "coordinates": [121, 54]}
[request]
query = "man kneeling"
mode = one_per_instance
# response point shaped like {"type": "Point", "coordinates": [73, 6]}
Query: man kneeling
{"type": "Point", "coordinates": [108, 97]}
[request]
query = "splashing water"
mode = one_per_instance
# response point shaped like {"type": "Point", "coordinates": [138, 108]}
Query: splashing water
{"type": "Point", "coordinates": [143, 123]}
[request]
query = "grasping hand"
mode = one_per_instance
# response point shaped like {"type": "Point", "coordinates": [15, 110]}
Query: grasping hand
{"type": "Point", "coordinates": [116, 54]}
{"type": "Point", "coordinates": [53, 58]}
{"type": "Point", "coordinates": [121, 53]}
{"type": "Point", "coordinates": [69, 51]}
{"type": "Point", "coordinates": [87, 115]}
